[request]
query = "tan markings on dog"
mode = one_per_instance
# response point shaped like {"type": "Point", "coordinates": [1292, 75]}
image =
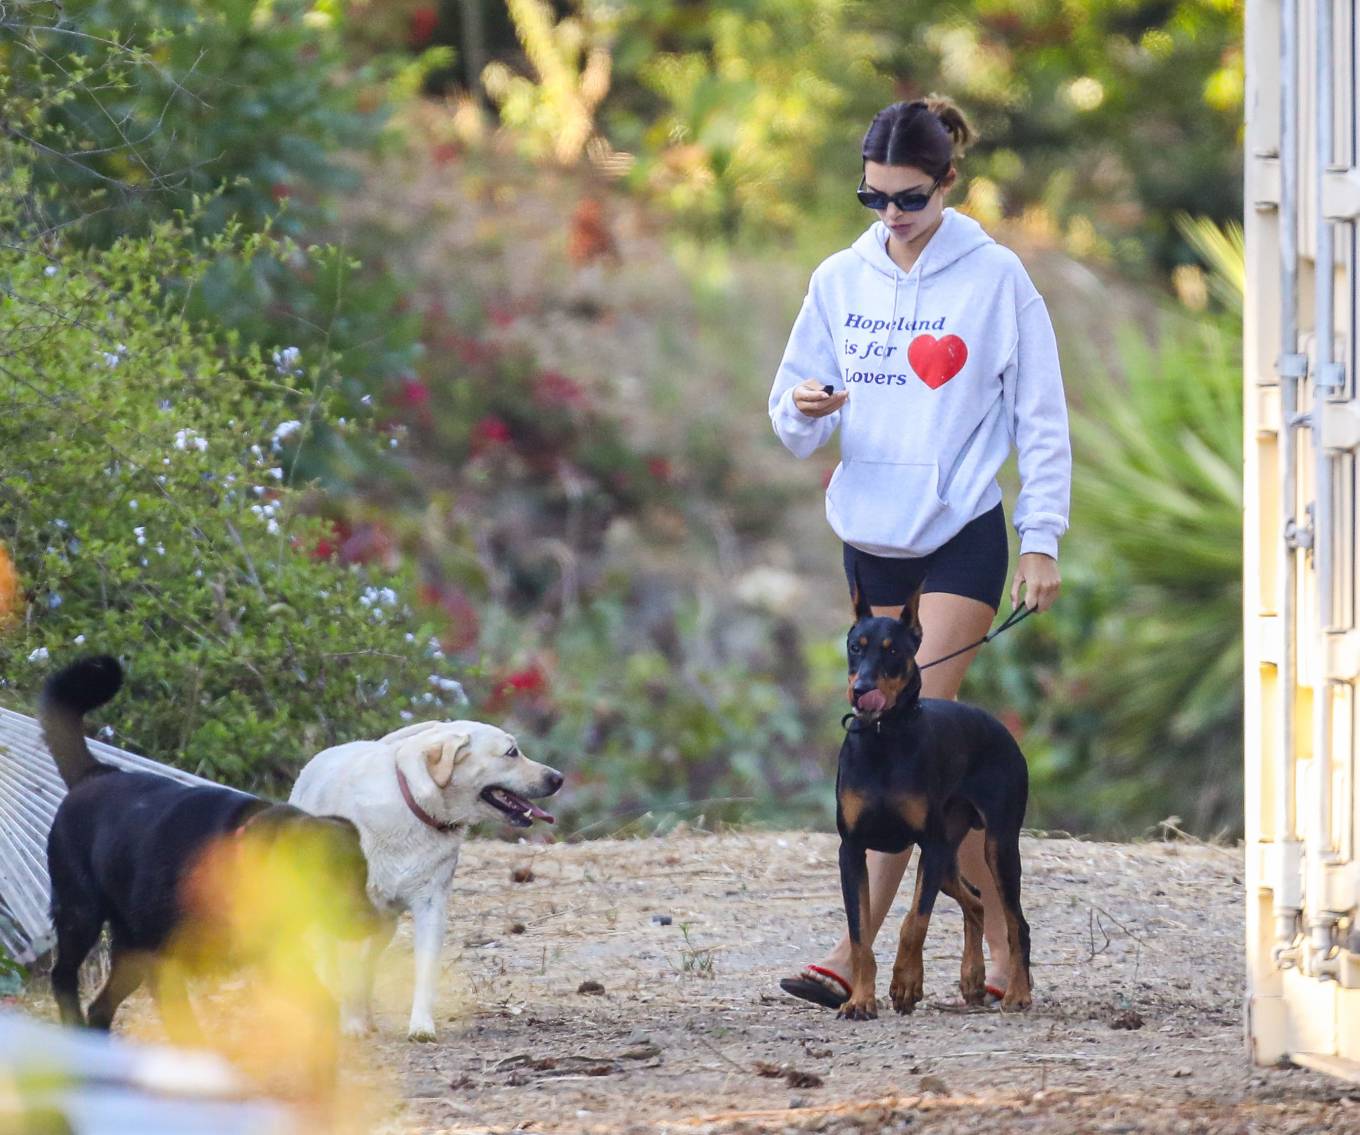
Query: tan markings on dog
{"type": "Point", "coordinates": [864, 640]}
{"type": "Point", "coordinates": [908, 973]}
{"type": "Point", "coordinates": [913, 809]}
{"type": "Point", "coordinates": [887, 644]}
{"type": "Point", "coordinates": [972, 970]}
{"type": "Point", "coordinates": [852, 807]}
{"type": "Point", "coordinates": [891, 688]}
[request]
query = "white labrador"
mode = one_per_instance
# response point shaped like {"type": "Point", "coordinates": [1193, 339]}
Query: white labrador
{"type": "Point", "coordinates": [412, 796]}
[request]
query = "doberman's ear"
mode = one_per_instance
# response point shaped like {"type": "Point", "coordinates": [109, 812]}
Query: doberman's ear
{"type": "Point", "coordinates": [911, 610]}
{"type": "Point", "coordinates": [857, 599]}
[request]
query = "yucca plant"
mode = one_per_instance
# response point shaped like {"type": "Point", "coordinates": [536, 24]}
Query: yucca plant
{"type": "Point", "coordinates": [1159, 487]}
{"type": "Point", "coordinates": [1159, 490]}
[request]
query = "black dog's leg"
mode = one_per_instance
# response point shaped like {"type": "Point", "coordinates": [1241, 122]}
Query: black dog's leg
{"type": "Point", "coordinates": [973, 970]}
{"type": "Point", "coordinates": [972, 973]}
{"type": "Point", "coordinates": [1003, 857]}
{"type": "Point", "coordinates": [862, 1005]}
{"type": "Point", "coordinates": [908, 980]}
{"type": "Point", "coordinates": [77, 925]}
{"type": "Point", "coordinates": [127, 970]}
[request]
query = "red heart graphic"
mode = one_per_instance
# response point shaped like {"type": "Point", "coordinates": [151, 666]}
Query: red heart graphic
{"type": "Point", "coordinates": [936, 361]}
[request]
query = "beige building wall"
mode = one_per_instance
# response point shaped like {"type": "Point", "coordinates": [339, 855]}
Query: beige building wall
{"type": "Point", "coordinates": [1302, 425]}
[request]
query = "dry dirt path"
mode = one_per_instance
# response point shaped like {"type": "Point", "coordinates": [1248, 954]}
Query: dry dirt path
{"type": "Point", "coordinates": [690, 1012]}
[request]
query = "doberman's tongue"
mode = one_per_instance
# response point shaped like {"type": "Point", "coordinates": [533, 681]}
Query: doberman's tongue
{"type": "Point", "coordinates": [871, 701]}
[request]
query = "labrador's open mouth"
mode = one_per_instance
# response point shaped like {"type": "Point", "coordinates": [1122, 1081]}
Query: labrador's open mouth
{"type": "Point", "coordinates": [517, 809]}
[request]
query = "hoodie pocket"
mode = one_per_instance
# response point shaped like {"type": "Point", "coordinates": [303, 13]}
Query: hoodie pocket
{"type": "Point", "coordinates": [885, 506]}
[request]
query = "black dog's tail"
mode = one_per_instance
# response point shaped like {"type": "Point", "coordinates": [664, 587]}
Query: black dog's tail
{"type": "Point", "coordinates": [66, 698]}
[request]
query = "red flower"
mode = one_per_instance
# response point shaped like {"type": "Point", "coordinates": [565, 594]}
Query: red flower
{"type": "Point", "coordinates": [445, 152]}
{"type": "Point", "coordinates": [659, 468]}
{"type": "Point", "coordinates": [415, 395]}
{"type": "Point", "coordinates": [501, 314]}
{"type": "Point", "coordinates": [529, 683]}
{"type": "Point", "coordinates": [554, 389]}
{"type": "Point", "coordinates": [463, 628]}
{"type": "Point", "coordinates": [328, 546]}
{"type": "Point", "coordinates": [423, 23]}
{"type": "Point", "coordinates": [281, 191]}
{"type": "Point", "coordinates": [471, 352]}
{"type": "Point", "coordinates": [369, 543]}
{"type": "Point", "coordinates": [489, 432]}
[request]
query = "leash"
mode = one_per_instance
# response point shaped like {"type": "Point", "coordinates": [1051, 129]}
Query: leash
{"type": "Point", "coordinates": [1014, 617]}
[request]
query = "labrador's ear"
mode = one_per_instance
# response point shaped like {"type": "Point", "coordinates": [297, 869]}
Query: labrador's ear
{"type": "Point", "coordinates": [443, 755]}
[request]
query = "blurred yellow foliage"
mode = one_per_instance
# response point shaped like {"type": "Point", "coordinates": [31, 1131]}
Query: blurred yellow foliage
{"type": "Point", "coordinates": [276, 901]}
{"type": "Point", "coordinates": [9, 587]}
{"type": "Point", "coordinates": [554, 114]}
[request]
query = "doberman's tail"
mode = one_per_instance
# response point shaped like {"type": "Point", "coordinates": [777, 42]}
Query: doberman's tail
{"type": "Point", "coordinates": [66, 698]}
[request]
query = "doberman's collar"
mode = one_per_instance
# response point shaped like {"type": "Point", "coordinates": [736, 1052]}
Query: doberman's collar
{"type": "Point", "coordinates": [418, 812]}
{"type": "Point", "coordinates": [848, 721]}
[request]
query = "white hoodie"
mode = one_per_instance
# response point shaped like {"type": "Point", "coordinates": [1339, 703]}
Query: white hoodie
{"type": "Point", "coordinates": [947, 365]}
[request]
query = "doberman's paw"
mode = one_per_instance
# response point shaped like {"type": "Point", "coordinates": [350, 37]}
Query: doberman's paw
{"type": "Point", "coordinates": [859, 1009]}
{"type": "Point", "coordinates": [905, 997]}
{"type": "Point", "coordinates": [1015, 1001]}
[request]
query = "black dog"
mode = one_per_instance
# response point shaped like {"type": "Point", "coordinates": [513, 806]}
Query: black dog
{"type": "Point", "coordinates": [125, 848]}
{"type": "Point", "coordinates": [924, 771]}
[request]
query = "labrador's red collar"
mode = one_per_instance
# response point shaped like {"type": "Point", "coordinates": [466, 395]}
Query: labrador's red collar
{"type": "Point", "coordinates": [418, 812]}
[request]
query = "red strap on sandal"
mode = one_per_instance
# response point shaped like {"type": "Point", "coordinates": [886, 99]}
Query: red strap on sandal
{"type": "Point", "coordinates": [822, 971]}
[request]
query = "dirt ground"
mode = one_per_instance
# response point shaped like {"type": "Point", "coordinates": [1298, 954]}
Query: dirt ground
{"type": "Point", "coordinates": [685, 1030]}
{"type": "Point", "coordinates": [690, 1033]}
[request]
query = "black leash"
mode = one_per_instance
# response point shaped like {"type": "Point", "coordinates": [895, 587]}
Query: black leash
{"type": "Point", "coordinates": [1014, 617]}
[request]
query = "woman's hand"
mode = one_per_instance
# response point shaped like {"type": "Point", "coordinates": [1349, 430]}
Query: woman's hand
{"type": "Point", "coordinates": [812, 400]}
{"type": "Point", "coordinates": [1038, 573]}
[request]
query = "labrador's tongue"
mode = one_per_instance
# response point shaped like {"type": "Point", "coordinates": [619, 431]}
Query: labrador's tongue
{"type": "Point", "coordinates": [537, 813]}
{"type": "Point", "coordinates": [871, 701]}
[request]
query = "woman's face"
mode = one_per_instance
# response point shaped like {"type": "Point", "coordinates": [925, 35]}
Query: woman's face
{"type": "Point", "coordinates": [903, 225]}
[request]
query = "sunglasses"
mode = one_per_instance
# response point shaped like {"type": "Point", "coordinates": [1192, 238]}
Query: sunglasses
{"type": "Point", "coordinates": [908, 202]}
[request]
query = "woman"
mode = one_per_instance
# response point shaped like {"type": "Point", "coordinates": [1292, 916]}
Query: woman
{"type": "Point", "coordinates": [927, 344]}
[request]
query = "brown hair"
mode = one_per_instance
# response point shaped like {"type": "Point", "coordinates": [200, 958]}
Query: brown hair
{"type": "Point", "coordinates": [926, 133]}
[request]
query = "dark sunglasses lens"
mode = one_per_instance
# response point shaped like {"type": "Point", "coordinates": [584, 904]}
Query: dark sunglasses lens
{"type": "Point", "coordinates": [907, 202]}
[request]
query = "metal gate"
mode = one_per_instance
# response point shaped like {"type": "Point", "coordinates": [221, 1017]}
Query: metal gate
{"type": "Point", "coordinates": [1300, 582]}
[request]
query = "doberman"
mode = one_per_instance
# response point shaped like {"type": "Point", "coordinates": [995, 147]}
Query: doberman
{"type": "Point", "coordinates": [924, 771]}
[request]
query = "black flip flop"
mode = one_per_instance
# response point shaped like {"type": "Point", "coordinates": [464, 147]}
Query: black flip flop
{"type": "Point", "coordinates": [810, 989]}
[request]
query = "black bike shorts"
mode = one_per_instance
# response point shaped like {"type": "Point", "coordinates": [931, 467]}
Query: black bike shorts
{"type": "Point", "coordinates": [972, 564]}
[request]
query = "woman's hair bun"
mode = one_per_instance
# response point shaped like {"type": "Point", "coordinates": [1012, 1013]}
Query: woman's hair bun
{"type": "Point", "coordinates": [952, 119]}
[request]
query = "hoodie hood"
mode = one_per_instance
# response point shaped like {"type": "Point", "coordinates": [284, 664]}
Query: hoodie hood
{"type": "Point", "coordinates": [956, 237]}
{"type": "Point", "coordinates": [946, 366]}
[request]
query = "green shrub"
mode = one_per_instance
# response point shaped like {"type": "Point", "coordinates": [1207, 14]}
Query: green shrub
{"type": "Point", "coordinates": [131, 107]}
{"type": "Point", "coordinates": [152, 493]}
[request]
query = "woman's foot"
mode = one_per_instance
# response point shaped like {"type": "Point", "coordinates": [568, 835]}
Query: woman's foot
{"type": "Point", "coordinates": [998, 967]}
{"type": "Point", "coordinates": [818, 984]}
